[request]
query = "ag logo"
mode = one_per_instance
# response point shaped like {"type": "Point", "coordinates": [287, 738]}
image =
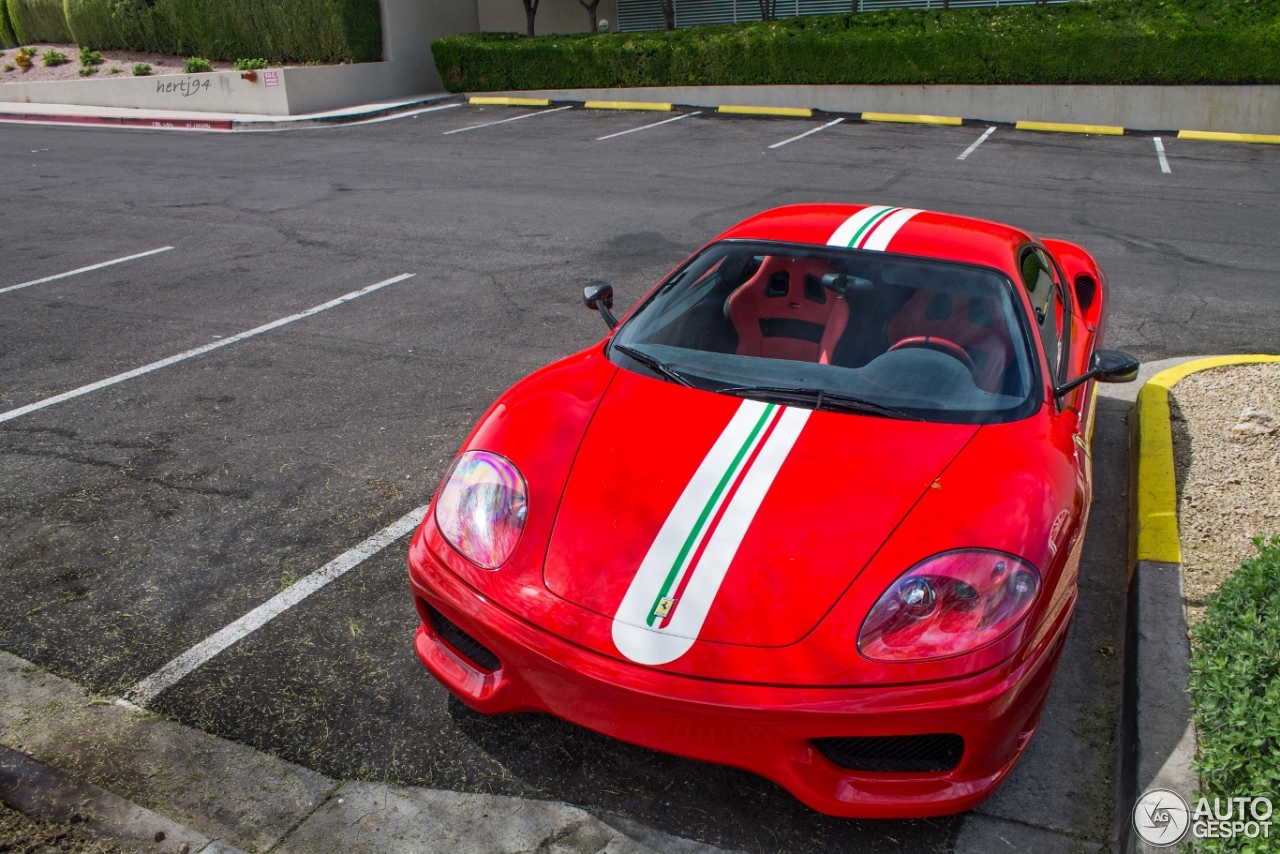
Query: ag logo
{"type": "Point", "coordinates": [1161, 817]}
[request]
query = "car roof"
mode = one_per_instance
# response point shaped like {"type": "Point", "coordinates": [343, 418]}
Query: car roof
{"type": "Point", "coordinates": [928, 234]}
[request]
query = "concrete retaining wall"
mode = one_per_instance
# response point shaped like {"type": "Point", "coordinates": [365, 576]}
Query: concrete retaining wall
{"type": "Point", "coordinates": [1234, 109]}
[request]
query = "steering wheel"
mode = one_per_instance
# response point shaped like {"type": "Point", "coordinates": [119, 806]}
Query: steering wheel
{"type": "Point", "coordinates": [938, 345]}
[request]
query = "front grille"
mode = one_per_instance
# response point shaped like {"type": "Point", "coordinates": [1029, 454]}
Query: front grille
{"type": "Point", "coordinates": [935, 752]}
{"type": "Point", "coordinates": [463, 642]}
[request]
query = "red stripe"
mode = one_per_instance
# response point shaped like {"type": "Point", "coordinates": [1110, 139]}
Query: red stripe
{"type": "Point", "coordinates": [881, 221]}
{"type": "Point", "coordinates": [119, 121]}
{"type": "Point", "coordinates": [715, 520]}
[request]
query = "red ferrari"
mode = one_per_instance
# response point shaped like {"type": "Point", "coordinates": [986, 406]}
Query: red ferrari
{"type": "Point", "coordinates": [814, 508]}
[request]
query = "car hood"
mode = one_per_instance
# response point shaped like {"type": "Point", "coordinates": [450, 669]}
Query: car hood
{"type": "Point", "coordinates": [689, 515]}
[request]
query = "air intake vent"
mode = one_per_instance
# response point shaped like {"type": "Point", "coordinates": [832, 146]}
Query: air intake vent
{"type": "Point", "coordinates": [463, 642]}
{"type": "Point", "coordinates": [1086, 290]}
{"type": "Point", "coordinates": [936, 752]}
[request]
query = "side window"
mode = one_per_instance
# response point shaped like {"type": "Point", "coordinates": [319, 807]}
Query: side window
{"type": "Point", "coordinates": [1038, 279]}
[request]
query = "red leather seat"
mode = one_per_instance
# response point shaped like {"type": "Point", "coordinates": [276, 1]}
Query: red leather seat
{"type": "Point", "coordinates": [784, 312]}
{"type": "Point", "coordinates": [977, 325]}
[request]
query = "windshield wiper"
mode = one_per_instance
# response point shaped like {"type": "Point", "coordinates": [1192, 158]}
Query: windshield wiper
{"type": "Point", "coordinates": [820, 399]}
{"type": "Point", "coordinates": [654, 365]}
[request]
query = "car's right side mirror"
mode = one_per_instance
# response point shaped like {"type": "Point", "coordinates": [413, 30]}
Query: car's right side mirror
{"type": "Point", "coordinates": [598, 296]}
{"type": "Point", "coordinates": [1107, 366]}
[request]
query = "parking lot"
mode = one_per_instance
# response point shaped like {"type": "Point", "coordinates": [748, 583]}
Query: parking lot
{"type": "Point", "coordinates": [139, 518]}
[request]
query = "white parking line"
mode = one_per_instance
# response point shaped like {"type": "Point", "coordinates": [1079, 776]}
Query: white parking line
{"type": "Point", "coordinates": [199, 351]}
{"type": "Point", "coordinates": [409, 115]}
{"type": "Point", "coordinates": [149, 688]}
{"type": "Point", "coordinates": [85, 269]}
{"type": "Point", "coordinates": [980, 140]}
{"type": "Point", "coordinates": [646, 127]}
{"type": "Point", "coordinates": [806, 133]}
{"type": "Point", "coordinates": [512, 119]}
{"type": "Point", "coordinates": [1164, 161]}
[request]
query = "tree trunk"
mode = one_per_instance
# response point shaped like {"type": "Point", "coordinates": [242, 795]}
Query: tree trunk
{"type": "Point", "coordinates": [530, 10]}
{"type": "Point", "coordinates": [768, 10]}
{"type": "Point", "coordinates": [591, 12]}
{"type": "Point", "coordinates": [946, 4]}
{"type": "Point", "coordinates": [668, 13]}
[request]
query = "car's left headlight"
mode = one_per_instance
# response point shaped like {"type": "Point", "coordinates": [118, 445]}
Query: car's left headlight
{"type": "Point", "coordinates": [481, 509]}
{"type": "Point", "coordinates": [949, 604]}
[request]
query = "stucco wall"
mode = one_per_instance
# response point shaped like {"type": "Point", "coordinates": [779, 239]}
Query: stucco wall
{"type": "Point", "coordinates": [554, 16]}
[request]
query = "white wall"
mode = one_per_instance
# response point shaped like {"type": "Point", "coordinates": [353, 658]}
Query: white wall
{"type": "Point", "coordinates": [408, 29]}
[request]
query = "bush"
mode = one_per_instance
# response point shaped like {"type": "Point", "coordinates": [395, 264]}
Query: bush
{"type": "Point", "coordinates": [52, 58]}
{"type": "Point", "coordinates": [250, 64]}
{"type": "Point", "coordinates": [1235, 684]}
{"type": "Point", "coordinates": [8, 38]}
{"type": "Point", "coordinates": [39, 21]}
{"type": "Point", "coordinates": [1106, 41]}
{"type": "Point", "coordinates": [196, 65]}
{"type": "Point", "coordinates": [141, 70]}
{"type": "Point", "coordinates": [87, 70]}
{"type": "Point", "coordinates": [277, 30]}
{"type": "Point", "coordinates": [90, 57]}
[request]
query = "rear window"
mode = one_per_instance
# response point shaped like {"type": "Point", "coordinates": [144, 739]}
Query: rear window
{"type": "Point", "coordinates": [924, 339]}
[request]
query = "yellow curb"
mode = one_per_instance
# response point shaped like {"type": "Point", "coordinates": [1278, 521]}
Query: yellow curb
{"type": "Point", "coordinates": [912, 118]}
{"type": "Point", "coordinates": [798, 112]}
{"type": "Point", "coordinates": [1153, 497]}
{"type": "Point", "coordinates": [1215, 136]}
{"type": "Point", "coordinates": [510, 102]}
{"type": "Point", "coordinates": [1059, 127]}
{"type": "Point", "coordinates": [627, 105]}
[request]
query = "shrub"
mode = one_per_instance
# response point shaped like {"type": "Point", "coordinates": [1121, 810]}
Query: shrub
{"type": "Point", "coordinates": [115, 69]}
{"type": "Point", "coordinates": [87, 70]}
{"type": "Point", "coordinates": [51, 58]}
{"type": "Point", "coordinates": [39, 21]}
{"type": "Point", "coordinates": [9, 66]}
{"type": "Point", "coordinates": [90, 57]}
{"type": "Point", "coordinates": [8, 38]}
{"type": "Point", "coordinates": [277, 30]}
{"type": "Point", "coordinates": [1235, 683]}
{"type": "Point", "coordinates": [141, 70]}
{"type": "Point", "coordinates": [250, 64]}
{"type": "Point", "coordinates": [1105, 41]}
{"type": "Point", "coordinates": [196, 65]}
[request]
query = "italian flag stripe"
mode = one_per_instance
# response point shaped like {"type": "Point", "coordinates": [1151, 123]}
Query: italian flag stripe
{"type": "Point", "coordinates": [871, 228]}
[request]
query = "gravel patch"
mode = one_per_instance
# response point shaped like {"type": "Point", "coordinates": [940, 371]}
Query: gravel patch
{"type": "Point", "coordinates": [122, 59]}
{"type": "Point", "coordinates": [1226, 444]}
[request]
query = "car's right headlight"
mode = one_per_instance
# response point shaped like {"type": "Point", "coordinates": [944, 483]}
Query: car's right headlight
{"type": "Point", "coordinates": [481, 509]}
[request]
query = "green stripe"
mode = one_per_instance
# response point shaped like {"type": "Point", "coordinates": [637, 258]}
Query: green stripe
{"type": "Point", "coordinates": [857, 234]}
{"type": "Point", "coordinates": [725, 480]}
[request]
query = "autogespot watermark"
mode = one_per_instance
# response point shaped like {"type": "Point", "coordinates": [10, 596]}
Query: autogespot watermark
{"type": "Point", "coordinates": [1163, 817]}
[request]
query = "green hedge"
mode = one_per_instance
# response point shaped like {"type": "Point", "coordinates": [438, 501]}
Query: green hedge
{"type": "Point", "coordinates": [1098, 41]}
{"type": "Point", "coordinates": [39, 21]}
{"type": "Point", "coordinates": [8, 38]}
{"type": "Point", "coordinates": [1235, 683]}
{"type": "Point", "coordinates": [276, 30]}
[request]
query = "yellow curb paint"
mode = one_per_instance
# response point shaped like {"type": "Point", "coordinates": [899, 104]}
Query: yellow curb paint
{"type": "Point", "coordinates": [627, 105]}
{"type": "Point", "coordinates": [509, 102]}
{"type": "Point", "coordinates": [797, 112]}
{"type": "Point", "coordinates": [1153, 497]}
{"type": "Point", "coordinates": [1059, 127]}
{"type": "Point", "coordinates": [912, 118]}
{"type": "Point", "coordinates": [1215, 136]}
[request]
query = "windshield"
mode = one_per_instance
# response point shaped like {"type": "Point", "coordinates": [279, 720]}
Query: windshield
{"type": "Point", "coordinates": [857, 331]}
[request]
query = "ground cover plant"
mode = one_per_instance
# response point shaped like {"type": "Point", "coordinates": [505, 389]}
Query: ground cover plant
{"type": "Point", "coordinates": [141, 70]}
{"type": "Point", "coordinates": [1235, 684]}
{"type": "Point", "coordinates": [1101, 42]}
{"type": "Point", "coordinates": [196, 65]}
{"type": "Point", "coordinates": [278, 30]}
{"type": "Point", "coordinates": [250, 64]}
{"type": "Point", "coordinates": [53, 57]}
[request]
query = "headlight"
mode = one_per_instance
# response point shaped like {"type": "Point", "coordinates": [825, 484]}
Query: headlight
{"type": "Point", "coordinates": [482, 508]}
{"type": "Point", "coordinates": [952, 603]}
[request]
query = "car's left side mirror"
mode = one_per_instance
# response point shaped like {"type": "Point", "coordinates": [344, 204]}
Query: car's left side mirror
{"type": "Point", "coordinates": [598, 296]}
{"type": "Point", "coordinates": [1108, 366]}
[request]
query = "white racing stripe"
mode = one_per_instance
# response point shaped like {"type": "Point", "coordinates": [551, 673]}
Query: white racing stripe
{"type": "Point", "coordinates": [85, 269]}
{"type": "Point", "coordinates": [632, 632]}
{"type": "Point", "coordinates": [198, 351]}
{"type": "Point", "coordinates": [855, 226]}
{"type": "Point", "coordinates": [884, 231]}
{"type": "Point", "coordinates": [872, 228]}
{"type": "Point", "coordinates": [145, 691]}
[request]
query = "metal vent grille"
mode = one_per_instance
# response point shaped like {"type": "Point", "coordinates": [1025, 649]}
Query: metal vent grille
{"type": "Point", "coordinates": [463, 642]}
{"type": "Point", "coordinates": [1086, 290]}
{"type": "Point", "coordinates": [935, 752]}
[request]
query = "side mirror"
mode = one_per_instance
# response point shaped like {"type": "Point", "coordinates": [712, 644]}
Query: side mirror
{"type": "Point", "coordinates": [1108, 366]}
{"type": "Point", "coordinates": [598, 296]}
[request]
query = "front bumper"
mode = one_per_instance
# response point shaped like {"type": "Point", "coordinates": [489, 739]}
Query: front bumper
{"type": "Point", "coordinates": [766, 729]}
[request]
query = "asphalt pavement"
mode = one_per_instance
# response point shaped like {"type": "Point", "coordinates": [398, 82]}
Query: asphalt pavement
{"type": "Point", "coordinates": [138, 519]}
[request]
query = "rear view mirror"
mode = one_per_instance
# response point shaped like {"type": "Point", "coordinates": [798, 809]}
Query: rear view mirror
{"type": "Point", "coordinates": [842, 282]}
{"type": "Point", "coordinates": [598, 296]}
{"type": "Point", "coordinates": [1107, 366]}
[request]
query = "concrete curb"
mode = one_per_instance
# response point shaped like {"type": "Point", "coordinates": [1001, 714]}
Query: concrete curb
{"type": "Point", "coordinates": [1158, 741]}
{"type": "Point", "coordinates": [1218, 113]}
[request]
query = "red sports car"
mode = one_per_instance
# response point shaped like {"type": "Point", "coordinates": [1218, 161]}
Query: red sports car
{"type": "Point", "coordinates": [814, 509]}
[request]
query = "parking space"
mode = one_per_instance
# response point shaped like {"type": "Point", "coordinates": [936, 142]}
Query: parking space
{"type": "Point", "coordinates": [139, 519]}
